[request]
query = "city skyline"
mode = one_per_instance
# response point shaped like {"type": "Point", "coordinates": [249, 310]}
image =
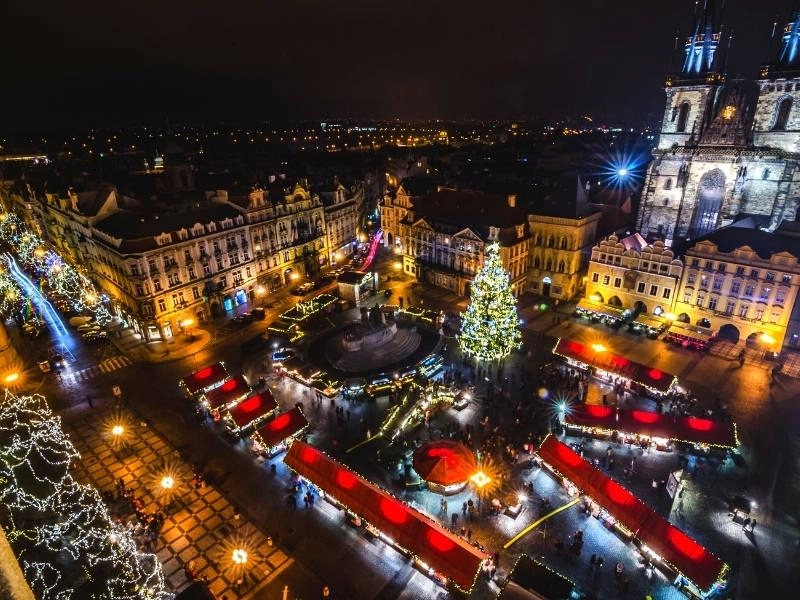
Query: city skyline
{"type": "Point", "coordinates": [187, 62]}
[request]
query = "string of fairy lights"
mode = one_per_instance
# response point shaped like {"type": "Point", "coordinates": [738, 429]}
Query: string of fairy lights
{"type": "Point", "coordinates": [57, 278]}
{"type": "Point", "coordinates": [489, 329]}
{"type": "Point", "coordinates": [67, 543]}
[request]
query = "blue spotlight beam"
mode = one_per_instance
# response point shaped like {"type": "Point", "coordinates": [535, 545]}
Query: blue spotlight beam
{"type": "Point", "coordinates": [46, 309]}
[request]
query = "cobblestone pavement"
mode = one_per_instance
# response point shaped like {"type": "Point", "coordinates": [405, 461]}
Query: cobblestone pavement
{"type": "Point", "coordinates": [201, 525]}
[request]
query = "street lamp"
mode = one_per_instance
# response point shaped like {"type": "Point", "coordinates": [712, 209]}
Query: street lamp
{"type": "Point", "coordinates": [480, 480]}
{"type": "Point", "coordinates": [239, 556]}
{"type": "Point", "coordinates": [117, 431]}
{"type": "Point", "coordinates": [11, 378]}
{"type": "Point", "coordinates": [187, 324]}
{"type": "Point", "coordinates": [260, 292]}
{"type": "Point", "coordinates": [767, 340]}
{"type": "Point", "coordinates": [167, 483]}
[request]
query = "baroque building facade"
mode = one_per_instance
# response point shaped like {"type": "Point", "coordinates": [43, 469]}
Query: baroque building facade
{"type": "Point", "coordinates": [715, 158]}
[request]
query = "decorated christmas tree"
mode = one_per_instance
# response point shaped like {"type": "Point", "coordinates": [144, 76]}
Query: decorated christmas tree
{"type": "Point", "coordinates": [489, 327]}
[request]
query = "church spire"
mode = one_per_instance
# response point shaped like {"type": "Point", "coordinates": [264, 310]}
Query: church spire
{"type": "Point", "coordinates": [701, 46]}
{"type": "Point", "coordinates": [789, 54]}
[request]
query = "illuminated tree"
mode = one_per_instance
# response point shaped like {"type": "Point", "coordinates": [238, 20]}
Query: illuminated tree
{"type": "Point", "coordinates": [489, 329]}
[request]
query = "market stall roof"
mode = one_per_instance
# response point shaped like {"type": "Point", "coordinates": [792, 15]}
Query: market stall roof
{"type": "Point", "coordinates": [437, 547]}
{"type": "Point", "coordinates": [202, 378]}
{"type": "Point", "coordinates": [444, 462]}
{"type": "Point", "coordinates": [282, 426]}
{"type": "Point", "coordinates": [253, 408]}
{"type": "Point", "coordinates": [543, 582]}
{"type": "Point", "coordinates": [696, 430]}
{"type": "Point", "coordinates": [601, 309]}
{"type": "Point", "coordinates": [613, 363]}
{"type": "Point", "coordinates": [691, 331]}
{"type": "Point", "coordinates": [649, 321]}
{"type": "Point", "coordinates": [228, 392]}
{"type": "Point", "coordinates": [674, 546]}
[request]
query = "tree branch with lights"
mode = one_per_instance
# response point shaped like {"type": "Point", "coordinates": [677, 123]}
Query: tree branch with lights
{"type": "Point", "coordinates": [490, 326]}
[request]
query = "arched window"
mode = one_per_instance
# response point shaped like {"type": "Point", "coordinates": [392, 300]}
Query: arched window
{"type": "Point", "coordinates": [561, 267]}
{"type": "Point", "coordinates": [551, 242]}
{"type": "Point", "coordinates": [782, 114]}
{"type": "Point", "coordinates": [668, 184]}
{"type": "Point", "coordinates": [563, 243]}
{"type": "Point", "coordinates": [549, 265]}
{"type": "Point", "coordinates": [536, 262]}
{"type": "Point", "coordinates": [538, 239]}
{"type": "Point", "coordinates": [683, 117]}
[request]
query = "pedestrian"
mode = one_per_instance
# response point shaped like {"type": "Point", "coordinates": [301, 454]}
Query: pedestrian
{"type": "Point", "coordinates": [464, 508]}
{"type": "Point", "coordinates": [469, 535]}
{"type": "Point", "coordinates": [453, 519]}
{"type": "Point", "coordinates": [746, 523]}
{"type": "Point", "coordinates": [463, 531]}
{"type": "Point", "coordinates": [593, 559]}
{"type": "Point", "coordinates": [618, 569]}
{"type": "Point", "coordinates": [599, 562]}
{"type": "Point", "coordinates": [753, 524]}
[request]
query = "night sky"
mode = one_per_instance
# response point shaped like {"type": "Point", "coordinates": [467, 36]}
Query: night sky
{"type": "Point", "coordinates": [104, 63]}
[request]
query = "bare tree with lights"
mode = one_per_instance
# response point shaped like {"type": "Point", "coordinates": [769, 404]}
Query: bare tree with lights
{"type": "Point", "coordinates": [489, 328]}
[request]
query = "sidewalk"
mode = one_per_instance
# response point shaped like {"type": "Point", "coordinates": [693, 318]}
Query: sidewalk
{"type": "Point", "coordinates": [201, 525]}
{"type": "Point", "coordinates": [178, 347]}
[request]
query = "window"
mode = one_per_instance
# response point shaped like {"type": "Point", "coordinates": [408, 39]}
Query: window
{"type": "Point", "coordinates": [196, 293]}
{"type": "Point", "coordinates": [770, 276]}
{"type": "Point", "coordinates": [666, 293]}
{"type": "Point", "coordinates": [709, 264]}
{"type": "Point", "coordinates": [173, 279]}
{"type": "Point", "coordinates": [775, 317]}
{"type": "Point", "coordinates": [701, 299]}
{"type": "Point", "coordinates": [561, 267]}
{"type": "Point", "coordinates": [191, 273]}
{"type": "Point", "coordinates": [759, 313]}
{"type": "Point", "coordinates": [721, 268]}
{"type": "Point", "coordinates": [139, 290]}
{"type": "Point", "coordinates": [134, 270]}
{"type": "Point", "coordinates": [730, 306]}
{"type": "Point", "coordinates": [668, 184]}
{"type": "Point", "coordinates": [157, 285]}
{"type": "Point", "coordinates": [219, 264]}
{"type": "Point", "coordinates": [782, 114]}
{"type": "Point", "coordinates": [704, 281]}
{"type": "Point", "coordinates": [187, 254]}
{"type": "Point", "coordinates": [247, 272]}
{"type": "Point", "coordinates": [606, 279]}
{"type": "Point", "coordinates": [749, 290]}
{"type": "Point", "coordinates": [654, 290]}
{"type": "Point", "coordinates": [740, 270]}
{"type": "Point", "coordinates": [645, 265]}
{"type": "Point", "coordinates": [595, 277]}
{"type": "Point", "coordinates": [563, 243]}
{"type": "Point", "coordinates": [206, 269]}
{"type": "Point", "coordinates": [780, 297]}
{"type": "Point", "coordinates": [223, 282]}
{"type": "Point", "coordinates": [764, 295]}
{"type": "Point", "coordinates": [754, 273]}
{"type": "Point", "coordinates": [687, 297]}
{"type": "Point", "coordinates": [683, 117]}
{"type": "Point", "coordinates": [695, 262]}
{"type": "Point", "coordinates": [147, 309]}
{"type": "Point", "coordinates": [786, 278]}
{"type": "Point", "coordinates": [736, 287]}
{"type": "Point", "coordinates": [640, 287]}
{"type": "Point", "coordinates": [717, 285]}
{"type": "Point", "coordinates": [162, 305]}
{"type": "Point", "coordinates": [712, 303]}
{"type": "Point", "coordinates": [617, 282]}
{"type": "Point", "coordinates": [691, 279]}
{"type": "Point", "coordinates": [743, 311]}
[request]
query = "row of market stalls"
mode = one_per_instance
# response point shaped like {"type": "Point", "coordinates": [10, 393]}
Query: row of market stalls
{"type": "Point", "coordinates": [616, 316]}
{"type": "Point", "coordinates": [664, 544]}
{"type": "Point", "coordinates": [660, 428]}
{"type": "Point", "coordinates": [434, 550]}
{"type": "Point", "coordinates": [608, 365]}
{"type": "Point", "coordinates": [242, 410]}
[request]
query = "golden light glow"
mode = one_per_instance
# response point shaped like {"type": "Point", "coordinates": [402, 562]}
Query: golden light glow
{"type": "Point", "coordinates": [167, 482]}
{"type": "Point", "coordinates": [187, 323]}
{"type": "Point", "coordinates": [12, 377]}
{"type": "Point", "coordinates": [480, 479]}
{"type": "Point", "coordinates": [117, 430]}
{"type": "Point", "coordinates": [397, 266]}
{"type": "Point", "coordinates": [90, 298]}
{"type": "Point", "coordinates": [729, 112]}
{"type": "Point", "coordinates": [599, 348]}
{"type": "Point", "coordinates": [595, 297]}
{"type": "Point", "coordinates": [767, 339]}
{"type": "Point", "coordinates": [239, 556]}
{"type": "Point", "coordinates": [670, 316]}
{"type": "Point", "coordinates": [260, 290]}
{"type": "Point", "coordinates": [294, 276]}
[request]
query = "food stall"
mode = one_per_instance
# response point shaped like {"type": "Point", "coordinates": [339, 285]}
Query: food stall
{"type": "Point", "coordinates": [689, 336]}
{"type": "Point", "coordinates": [608, 366]}
{"type": "Point", "coordinates": [250, 412]}
{"type": "Point", "coordinates": [597, 312]}
{"type": "Point", "coordinates": [445, 465]}
{"type": "Point", "coordinates": [648, 325]}
{"type": "Point", "coordinates": [204, 380]}
{"type": "Point", "coordinates": [226, 396]}
{"type": "Point", "coordinates": [663, 543]}
{"type": "Point", "coordinates": [274, 436]}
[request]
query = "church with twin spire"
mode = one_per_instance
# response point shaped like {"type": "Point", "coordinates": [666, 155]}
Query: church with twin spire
{"type": "Point", "coordinates": [720, 156]}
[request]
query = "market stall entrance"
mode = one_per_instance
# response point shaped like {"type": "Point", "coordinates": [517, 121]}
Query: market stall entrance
{"type": "Point", "coordinates": [597, 356]}
{"type": "Point", "coordinates": [677, 551]}
{"type": "Point", "coordinates": [445, 465]}
{"type": "Point", "coordinates": [435, 549]}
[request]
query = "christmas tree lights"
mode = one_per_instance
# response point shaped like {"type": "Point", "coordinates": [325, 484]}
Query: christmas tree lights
{"type": "Point", "coordinates": [489, 328]}
{"type": "Point", "coordinates": [58, 279]}
{"type": "Point", "coordinates": [66, 541]}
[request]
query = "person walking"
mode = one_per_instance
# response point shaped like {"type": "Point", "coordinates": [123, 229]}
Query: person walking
{"type": "Point", "coordinates": [753, 524]}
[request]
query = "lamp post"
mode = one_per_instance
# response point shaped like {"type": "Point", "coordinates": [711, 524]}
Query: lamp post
{"type": "Point", "coordinates": [261, 292]}
{"type": "Point", "coordinates": [767, 340]}
{"type": "Point", "coordinates": [598, 349]}
{"type": "Point", "coordinates": [480, 480]}
{"type": "Point", "coordinates": [187, 327]}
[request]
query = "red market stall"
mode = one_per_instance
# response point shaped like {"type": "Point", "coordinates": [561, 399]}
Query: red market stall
{"type": "Point", "coordinates": [598, 357]}
{"type": "Point", "coordinates": [695, 430]}
{"type": "Point", "coordinates": [228, 394]}
{"type": "Point", "coordinates": [435, 549]}
{"type": "Point", "coordinates": [272, 437]}
{"type": "Point", "coordinates": [204, 380]}
{"type": "Point", "coordinates": [679, 551]}
{"type": "Point", "coordinates": [250, 411]}
{"type": "Point", "coordinates": [445, 465]}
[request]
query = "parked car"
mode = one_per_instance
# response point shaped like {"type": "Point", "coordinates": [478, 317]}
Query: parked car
{"type": "Point", "coordinates": [247, 317]}
{"type": "Point", "coordinates": [238, 321]}
{"type": "Point", "coordinates": [304, 289]}
{"type": "Point", "coordinates": [95, 337]}
{"type": "Point", "coordinates": [259, 314]}
{"type": "Point", "coordinates": [89, 327]}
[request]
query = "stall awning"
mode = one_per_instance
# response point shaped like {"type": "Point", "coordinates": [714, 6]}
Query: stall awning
{"type": "Point", "coordinates": [204, 378]}
{"type": "Point", "coordinates": [440, 549]}
{"type": "Point", "coordinates": [639, 422]}
{"type": "Point", "coordinates": [689, 331]}
{"type": "Point", "coordinates": [253, 409]}
{"type": "Point", "coordinates": [649, 321]}
{"type": "Point", "coordinates": [670, 543]}
{"type": "Point", "coordinates": [613, 363]}
{"type": "Point", "coordinates": [599, 308]}
{"type": "Point", "coordinates": [282, 426]}
{"type": "Point", "coordinates": [230, 391]}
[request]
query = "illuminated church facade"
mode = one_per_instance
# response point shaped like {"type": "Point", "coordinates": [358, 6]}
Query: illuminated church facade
{"type": "Point", "coordinates": [717, 157]}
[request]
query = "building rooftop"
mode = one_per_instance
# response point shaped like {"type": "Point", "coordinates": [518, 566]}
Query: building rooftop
{"type": "Point", "coordinates": [764, 243]}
